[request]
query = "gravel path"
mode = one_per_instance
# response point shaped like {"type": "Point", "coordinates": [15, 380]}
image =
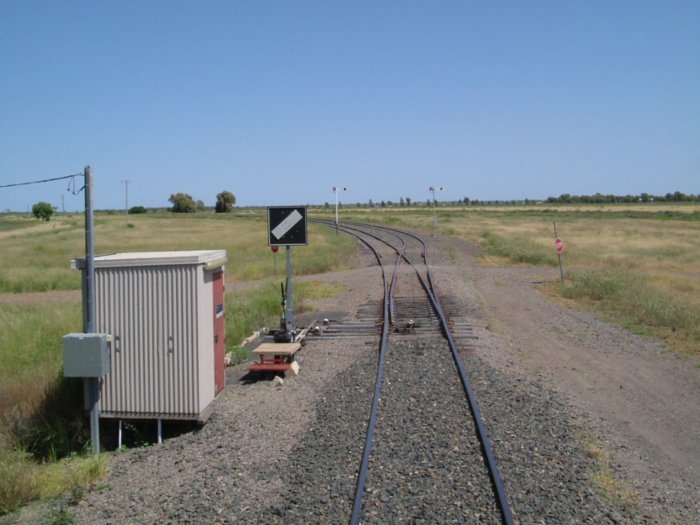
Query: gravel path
{"type": "Point", "coordinates": [289, 454]}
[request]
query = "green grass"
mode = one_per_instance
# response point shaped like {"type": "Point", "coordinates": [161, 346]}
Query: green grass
{"type": "Point", "coordinates": [15, 222]}
{"type": "Point", "coordinates": [41, 418]}
{"type": "Point", "coordinates": [262, 307]}
{"type": "Point", "coordinates": [23, 480]}
{"type": "Point", "coordinates": [39, 261]}
{"type": "Point", "coordinates": [18, 480]}
{"type": "Point", "coordinates": [30, 339]}
{"type": "Point", "coordinates": [632, 300]}
{"type": "Point", "coordinates": [71, 475]}
{"type": "Point", "coordinates": [251, 310]}
{"type": "Point", "coordinates": [515, 249]}
{"type": "Point", "coordinates": [40, 412]}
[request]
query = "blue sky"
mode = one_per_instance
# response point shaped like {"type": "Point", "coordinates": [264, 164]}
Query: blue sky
{"type": "Point", "coordinates": [279, 101]}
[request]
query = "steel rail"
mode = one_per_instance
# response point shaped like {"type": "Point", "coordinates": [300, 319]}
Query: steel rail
{"type": "Point", "coordinates": [371, 425]}
{"type": "Point", "coordinates": [497, 481]}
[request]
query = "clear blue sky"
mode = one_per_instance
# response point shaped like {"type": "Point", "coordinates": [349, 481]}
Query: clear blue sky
{"type": "Point", "coordinates": [279, 101]}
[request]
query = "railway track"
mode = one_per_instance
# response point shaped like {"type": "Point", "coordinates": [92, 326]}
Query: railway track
{"type": "Point", "coordinates": [421, 383]}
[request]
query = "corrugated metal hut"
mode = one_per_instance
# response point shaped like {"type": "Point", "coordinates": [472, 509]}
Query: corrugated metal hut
{"type": "Point", "coordinates": [165, 312]}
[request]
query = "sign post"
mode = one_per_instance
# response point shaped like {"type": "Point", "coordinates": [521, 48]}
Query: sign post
{"type": "Point", "coordinates": [559, 247]}
{"type": "Point", "coordinates": [287, 227]}
{"type": "Point", "coordinates": [289, 305]}
{"type": "Point", "coordinates": [274, 249]}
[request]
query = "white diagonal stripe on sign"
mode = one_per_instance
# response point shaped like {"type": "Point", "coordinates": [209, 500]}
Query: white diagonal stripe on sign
{"type": "Point", "coordinates": [287, 224]}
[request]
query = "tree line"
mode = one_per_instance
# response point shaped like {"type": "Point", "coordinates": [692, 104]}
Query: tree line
{"type": "Point", "coordinates": [225, 201]}
{"type": "Point", "coordinates": [599, 198]}
{"type": "Point", "coordinates": [185, 203]}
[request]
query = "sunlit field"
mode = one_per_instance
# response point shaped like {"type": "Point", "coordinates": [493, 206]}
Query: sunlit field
{"type": "Point", "coordinates": [38, 260]}
{"type": "Point", "coordinates": [640, 263]}
{"type": "Point", "coordinates": [40, 413]}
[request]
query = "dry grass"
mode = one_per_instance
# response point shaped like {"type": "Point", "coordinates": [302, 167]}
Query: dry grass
{"type": "Point", "coordinates": [40, 412]}
{"type": "Point", "coordinates": [71, 474]}
{"type": "Point", "coordinates": [654, 250]}
{"type": "Point", "coordinates": [608, 485]}
{"type": "Point", "coordinates": [23, 480]}
{"type": "Point", "coordinates": [38, 260]}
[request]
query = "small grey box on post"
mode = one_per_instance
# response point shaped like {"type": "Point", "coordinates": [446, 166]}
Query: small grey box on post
{"type": "Point", "coordinates": [86, 355]}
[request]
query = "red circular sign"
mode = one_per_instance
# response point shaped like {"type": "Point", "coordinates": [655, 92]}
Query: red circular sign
{"type": "Point", "coordinates": [274, 248]}
{"type": "Point", "coordinates": [559, 245]}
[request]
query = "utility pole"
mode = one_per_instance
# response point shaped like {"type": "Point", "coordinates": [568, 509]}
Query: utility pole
{"type": "Point", "coordinates": [89, 310]}
{"type": "Point", "coordinates": [126, 199]}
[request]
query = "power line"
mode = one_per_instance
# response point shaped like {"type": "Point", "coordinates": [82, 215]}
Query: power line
{"type": "Point", "coordinates": [41, 181]}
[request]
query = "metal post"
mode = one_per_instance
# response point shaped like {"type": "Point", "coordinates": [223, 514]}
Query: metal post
{"type": "Point", "coordinates": [561, 266]}
{"type": "Point", "coordinates": [119, 436]}
{"type": "Point", "coordinates": [432, 189]}
{"type": "Point", "coordinates": [289, 313]}
{"type": "Point", "coordinates": [160, 431]}
{"type": "Point", "coordinates": [335, 190]}
{"type": "Point", "coordinates": [89, 308]}
{"type": "Point", "coordinates": [89, 254]}
{"type": "Point", "coordinates": [126, 200]}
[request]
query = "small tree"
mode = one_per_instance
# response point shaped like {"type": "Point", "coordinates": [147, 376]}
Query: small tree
{"type": "Point", "coordinates": [224, 202]}
{"type": "Point", "coordinates": [42, 210]}
{"type": "Point", "coordinates": [182, 203]}
{"type": "Point", "coordinates": [199, 206]}
{"type": "Point", "coordinates": [135, 210]}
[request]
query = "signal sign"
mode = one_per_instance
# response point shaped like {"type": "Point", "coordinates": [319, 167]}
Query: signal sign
{"type": "Point", "coordinates": [559, 245]}
{"type": "Point", "coordinates": [286, 226]}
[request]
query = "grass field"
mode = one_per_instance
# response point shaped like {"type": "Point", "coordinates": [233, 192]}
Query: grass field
{"type": "Point", "coordinates": [40, 415]}
{"type": "Point", "coordinates": [640, 264]}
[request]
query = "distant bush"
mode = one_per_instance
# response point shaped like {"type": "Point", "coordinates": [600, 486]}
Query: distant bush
{"type": "Point", "coordinates": [42, 210]}
{"type": "Point", "coordinates": [182, 203]}
{"type": "Point", "coordinates": [224, 202]}
{"type": "Point", "coordinates": [134, 210]}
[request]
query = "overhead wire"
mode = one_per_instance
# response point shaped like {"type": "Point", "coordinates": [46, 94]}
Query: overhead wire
{"type": "Point", "coordinates": [49, 180]}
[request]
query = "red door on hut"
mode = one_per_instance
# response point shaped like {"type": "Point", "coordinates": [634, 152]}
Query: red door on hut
{"type": "Point", "coordinates": [219, 332]}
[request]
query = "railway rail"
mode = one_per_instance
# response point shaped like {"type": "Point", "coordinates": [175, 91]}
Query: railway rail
{"type": "Point", "coordinates": [404, 313]}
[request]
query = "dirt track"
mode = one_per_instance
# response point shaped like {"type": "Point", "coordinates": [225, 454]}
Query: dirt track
{"type": "Point", "coordinates": [641, 397]}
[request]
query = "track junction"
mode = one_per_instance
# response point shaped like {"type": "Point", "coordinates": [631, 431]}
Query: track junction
{"type": "Point", "coordinates": [412, 308]}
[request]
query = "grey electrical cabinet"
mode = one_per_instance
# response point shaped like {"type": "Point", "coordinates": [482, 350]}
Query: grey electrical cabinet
{"type": "Point", "coordinates": [85, 355]}
{"type": "Point", "coordinates": [165, 312]}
